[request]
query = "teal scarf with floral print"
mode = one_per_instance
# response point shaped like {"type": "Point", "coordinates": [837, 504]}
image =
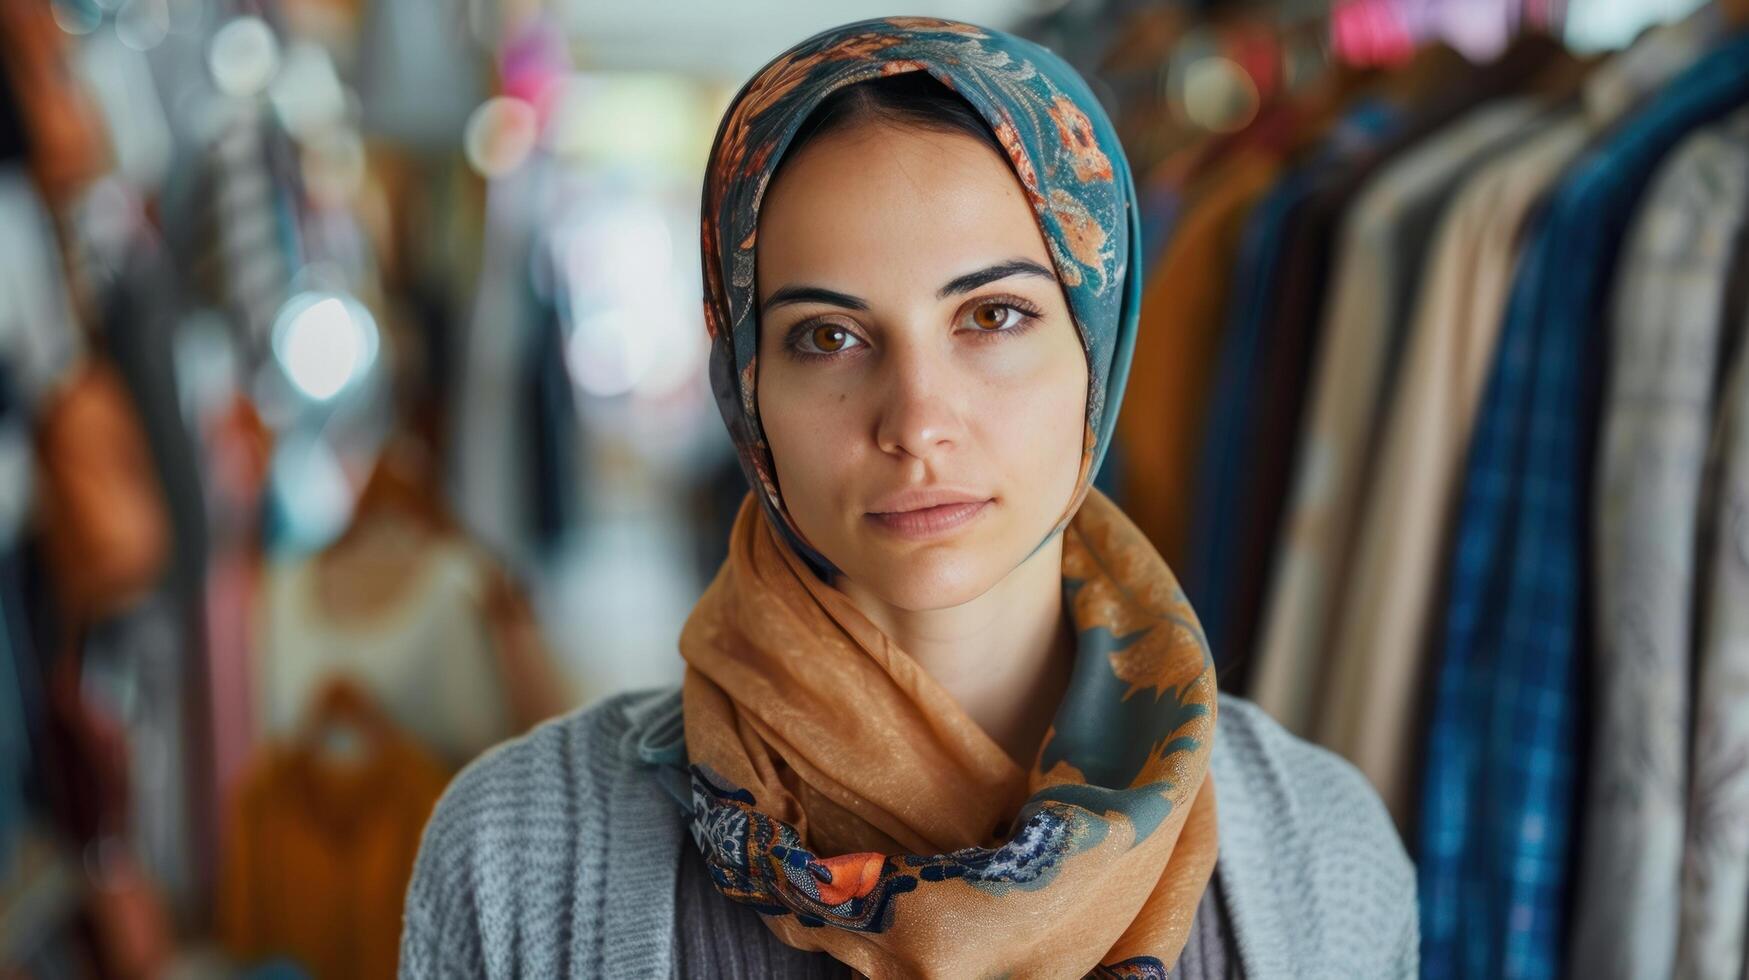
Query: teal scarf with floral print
{"type": "Point", "coordinates": [1059, 142]}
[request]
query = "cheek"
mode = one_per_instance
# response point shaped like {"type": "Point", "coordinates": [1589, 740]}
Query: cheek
{"type": "Point", "coordinates": [1034, 418]}
{"type": "Point", "coordinates": [1032, 410]}
{"type": "Point", "coordinates": [809, 427]}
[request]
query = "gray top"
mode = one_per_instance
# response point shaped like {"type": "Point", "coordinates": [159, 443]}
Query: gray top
{"type": "Point", "coordinates": [557, 854]}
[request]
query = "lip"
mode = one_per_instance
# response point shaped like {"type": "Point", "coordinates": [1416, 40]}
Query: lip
{"type": "Point", "coordinates": [927, 512]}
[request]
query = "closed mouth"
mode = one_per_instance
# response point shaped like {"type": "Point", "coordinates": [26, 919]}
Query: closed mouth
{"type": "Point", "coordinates": [927, 522]}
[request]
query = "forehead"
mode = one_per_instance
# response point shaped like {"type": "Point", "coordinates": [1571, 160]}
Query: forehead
{"type": "Point", "coordinates": [882, 205]}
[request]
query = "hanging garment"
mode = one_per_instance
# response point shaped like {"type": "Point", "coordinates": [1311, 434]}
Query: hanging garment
{"type": "Point", "coordinates": [138, 326]}
{"type": "Point", "coordinates": [20, 707]}
{"type": "Point", "coordinates": [256, 235]}
{"type": "Point", "coordinates": [1373, 691]}
{"type": "Point", "coordinates": [427, 657]}
{"type": "Point", "coordinates": [420, 73]}
{"type": "Point", "coordinates": [1713, 929]}
{"type": "Point", "coordinates": [1666, 334]}
{"type": "Point", "coordinates": [319, 856]}
{"type": "Point", "coordinates": [14, 142]}
{"type": "Point", "coordinates": [492, 446]}
{"type": "Point", "coordinates": [1180, 180]}
{"type": "Point", "coordinates": [1183, 310]}
{"type": "Point", "coordinates": [24, 676]}
{"type": "Point", "coordinates": [1240, 371]}
{"type": "Point", "coordinates": [140, 317]}
{"type": "Point", "coordinates": [61, 127]}
{"type": "Point", "coordinates": [1215, 187]}
{"type": "Point", "coordinates": [1380, 248]}
{"type": "Point", "coordinates": [136, 668]}
{"type": "Point", "coordinates": [235, 458]}
{"type": "Point", "coordinates": [84, 778]}
{"type": "Point", "coordinates": [39, 339]}
{"type": "Point", "coordinates": [1505, 741]}
{"type": "Point", "coordinates": [14, 753]}
{"type": "Point", "coordinates": [553, 472]}
{"type": "Point", "coordinates": [1436, 92]}
{"type": "Point", "coordinates": [1161, 203]}
{"type": "Point", "coordinates": [1376, 694]}
{"type": "Point", "coordinates": [106, 528]}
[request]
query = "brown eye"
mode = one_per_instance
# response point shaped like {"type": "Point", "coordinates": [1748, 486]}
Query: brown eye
{"type": "Point", "coordinates": [991, 317]}
{"type": "Point", "coordinates": [827, 338]}
{"type": "Point", "coordinates": [830, 338]}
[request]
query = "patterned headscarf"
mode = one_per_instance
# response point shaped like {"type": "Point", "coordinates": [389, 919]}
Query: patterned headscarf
{"type": "Point", "coordinates": [1059, 142]}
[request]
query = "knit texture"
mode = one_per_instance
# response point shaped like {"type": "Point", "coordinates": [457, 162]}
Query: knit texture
{"type": "Point", "coordinates": [556, 855]}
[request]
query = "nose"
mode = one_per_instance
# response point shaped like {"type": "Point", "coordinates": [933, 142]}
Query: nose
{"type": "Point", "coordinates": [920, 414]}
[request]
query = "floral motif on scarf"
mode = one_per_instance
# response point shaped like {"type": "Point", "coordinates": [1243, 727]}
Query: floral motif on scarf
{"type": "Point", "coordinates": [938, 855]}
{"type": "Point", "coordinates": [1058, 140]}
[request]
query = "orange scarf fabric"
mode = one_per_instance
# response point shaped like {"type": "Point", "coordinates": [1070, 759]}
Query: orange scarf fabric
{"type": "Point", "coordinates": [844, 794]}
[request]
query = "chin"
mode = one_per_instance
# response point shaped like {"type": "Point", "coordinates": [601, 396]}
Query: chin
{"type": "Point", "coordinates": [925, 579]}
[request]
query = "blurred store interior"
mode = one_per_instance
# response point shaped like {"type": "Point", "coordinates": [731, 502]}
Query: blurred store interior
{"type": "Point", "coordinates": [353, 408]}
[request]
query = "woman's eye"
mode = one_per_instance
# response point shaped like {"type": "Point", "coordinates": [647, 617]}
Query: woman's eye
{"type": "Point", "coordinates": [996, 317]}
{"type": "Point", "coordinates": [827, 338]}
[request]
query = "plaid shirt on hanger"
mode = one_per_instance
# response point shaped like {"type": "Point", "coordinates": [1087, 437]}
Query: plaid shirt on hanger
{"type": "Point", "coordinates": [1503, 752]}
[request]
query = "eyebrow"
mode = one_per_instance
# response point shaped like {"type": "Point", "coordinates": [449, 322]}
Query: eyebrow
{"type": "Point", "coordinates": [813, 294]}
{"type": "Point", "coordinates": [1001, 270]}
{"type": "Point", "coordinates": [960, 284]}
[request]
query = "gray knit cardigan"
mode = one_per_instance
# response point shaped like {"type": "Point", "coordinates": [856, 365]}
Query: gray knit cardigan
{"type": "Point", "coordinates": [555, 855]}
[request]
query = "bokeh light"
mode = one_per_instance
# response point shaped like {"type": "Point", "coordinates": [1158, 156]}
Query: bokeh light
{"type": "Point", "coordinates": [324, 342]}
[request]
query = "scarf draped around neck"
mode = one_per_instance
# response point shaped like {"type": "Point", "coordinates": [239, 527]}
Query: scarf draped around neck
{"type": "Point", "coordinates": [835, 787]}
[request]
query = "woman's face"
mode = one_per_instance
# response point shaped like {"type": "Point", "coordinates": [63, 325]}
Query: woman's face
{"type": "Point", "coordinates": [921, 385]}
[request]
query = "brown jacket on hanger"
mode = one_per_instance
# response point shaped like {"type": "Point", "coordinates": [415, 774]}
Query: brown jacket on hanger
{"type": "Point", "coordinates": [320, 852]}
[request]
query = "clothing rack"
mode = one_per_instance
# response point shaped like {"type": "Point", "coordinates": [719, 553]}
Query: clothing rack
{"type": "Point", "coordinates": [1409, 544]}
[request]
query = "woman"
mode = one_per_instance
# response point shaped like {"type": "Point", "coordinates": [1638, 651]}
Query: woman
{"type": "Point", "coordinates": [945, 712]}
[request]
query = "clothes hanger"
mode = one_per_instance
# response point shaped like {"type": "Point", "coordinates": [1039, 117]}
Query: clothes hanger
{"type": "Point", "coordinates": [1534, 44]}
{"type": "Point", "coordinates": [1429, 73]}
{"type": "Point", "coordinates": [399, 484]}
{"type": "Point", "coordinates": [397, 516]}
{"type": "Point", "coordinates": [343, 723]}
{"type": "Point", "coordinates": [1562, 81]}
{"type": "Point", "coordinates": [402, 486]}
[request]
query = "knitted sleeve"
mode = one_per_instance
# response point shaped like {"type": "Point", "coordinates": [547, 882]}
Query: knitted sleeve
{"type": "Point", "coordinates": [1316, 877]}
{"type": "Point", "coordinates": [505, 858]}
{"type": "Point", "coordinates": [1362, 857]}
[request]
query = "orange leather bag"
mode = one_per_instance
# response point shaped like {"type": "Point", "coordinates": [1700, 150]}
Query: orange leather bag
{"type": "Point", "coordinates": [106, 535]}
{"type": "Point", "coordinates": [67, 144]}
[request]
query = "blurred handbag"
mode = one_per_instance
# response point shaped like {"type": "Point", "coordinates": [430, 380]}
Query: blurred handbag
{"type": "Point", "coordinates": [66, 141]}
{"type": "Point", "coordinates": [106, 534]}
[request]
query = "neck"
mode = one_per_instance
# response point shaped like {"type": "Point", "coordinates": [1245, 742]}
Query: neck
{"type": "Point", "coordinates": [1005, 656]}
